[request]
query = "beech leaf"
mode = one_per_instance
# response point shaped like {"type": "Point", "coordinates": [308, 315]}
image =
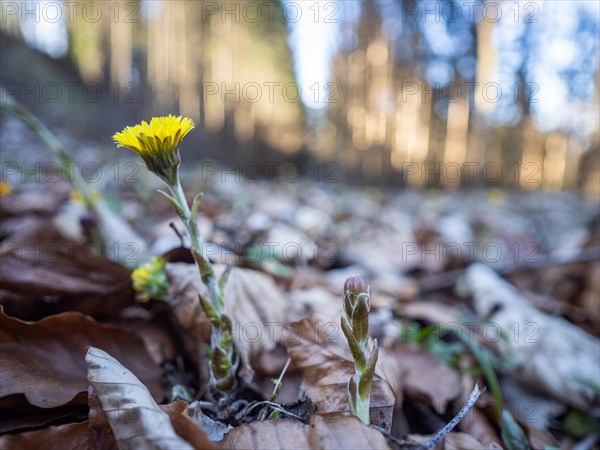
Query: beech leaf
{"type": "Point", "coordinates": [134, 417]}
{"type": "Point", "coordinates": [335, 431]}
{"type": "Point", "coordinates": [44, 360]}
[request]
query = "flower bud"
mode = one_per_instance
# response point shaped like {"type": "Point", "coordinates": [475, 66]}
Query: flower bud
{"type": "Point", "coordinates": [355, 285]}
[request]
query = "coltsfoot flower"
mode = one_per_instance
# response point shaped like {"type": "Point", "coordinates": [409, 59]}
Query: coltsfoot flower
{"type": "Point", "coordinates": [157, 143]}
{"type": "Point", "coordinates": [5, 188]}
{"type": "Point", "coordinates": [150, 280]}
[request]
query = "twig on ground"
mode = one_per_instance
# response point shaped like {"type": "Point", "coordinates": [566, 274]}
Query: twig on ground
{"type": "Point", "coordinates": [406, 445]}
{"type": "Point", "coordinates": [462, 413]}
{"type": "Point", "coordinates": [275, 406]}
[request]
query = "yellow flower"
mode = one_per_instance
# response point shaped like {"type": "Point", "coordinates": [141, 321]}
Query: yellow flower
{"type": "Point", "coordinates": [5, 188]}
{"type": "Point", "coordinates": [157, 143]}
{"type": "Point", "coordinates": [150, 280]}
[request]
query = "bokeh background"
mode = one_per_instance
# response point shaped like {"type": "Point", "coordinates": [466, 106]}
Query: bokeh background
{"type": "Point", "coordinates": [392, 92]}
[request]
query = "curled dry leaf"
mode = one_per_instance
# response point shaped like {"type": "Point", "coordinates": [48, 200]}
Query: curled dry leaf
{"type": "Point", "coordinates": [177, 412]}
{"type": "Point", "coordinates": [135, 418]}
{"type": "Point", "coordinates": [320, 350]}
{"type": "Point", "coordinates": [254, 301]}
{"type": "Point", "coordinates": [72, 436]}
{"type": "Point", "coordinates": [335, 431]}
{"type": "Point", "coordinates": [267, 434]}
{"type": "Point", "coordinates": [45, 360]}
{"type": "Point", "coordinates": [38, 263]}
{"type": "Point", "coordinates": [185, 427]}
{"type": "Point", "coordinates": [553, 354]}
{"type": "Point", "coordinates": [17, 414]}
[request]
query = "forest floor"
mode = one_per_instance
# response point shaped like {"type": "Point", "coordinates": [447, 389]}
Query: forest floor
{"type": "Point", "coordinates": [485, 286]}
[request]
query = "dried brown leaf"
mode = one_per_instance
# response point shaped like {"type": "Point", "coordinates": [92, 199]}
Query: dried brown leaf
{"type": "Point", "coordinates": [462, 441]}
{"type": "Point", "coordinates": [38, 262]}
{"type": "Point", "coordinates": [185, 427]}
{"type": "Point", "coordinates": [267, 434]}
{"type": "Point", "coordinates": [72, 436]}
{"type": "Point", "coordinates": [335, 431]}
{"type": "Point", "coordinates": [45, 360]}
{"type": "Point", "coordinates": [177, 411]}
{"type": "Point", "coordinates": [17, 414]}
{"type": "Point", "coordinates": [424, 373]}
{"type": "Point", "coordinates": [135, 418]}
{"type": "Point", "coordinates": [455, 441]}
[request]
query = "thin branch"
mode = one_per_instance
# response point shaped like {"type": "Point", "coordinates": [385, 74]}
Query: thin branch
{"type": "Point", "coordinates": [275, 406]}
{"type": "Point", "coordinates": [462, 413]}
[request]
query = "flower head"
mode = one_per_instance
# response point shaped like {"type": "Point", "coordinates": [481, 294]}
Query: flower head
{"type": "Point", "coordinates": [150, 280]}
{"type": "Point", "coordinates": [157, 143]}
{"type": "Point", "coordinates": [5, 188]}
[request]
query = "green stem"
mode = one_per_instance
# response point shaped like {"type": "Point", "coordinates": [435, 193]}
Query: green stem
{"type": "Point", "coordinates": [207, 273]}
{"type": "Point", "coordinates": [220, 340]}
{"type": "Point", "coordinates": [362, 404]}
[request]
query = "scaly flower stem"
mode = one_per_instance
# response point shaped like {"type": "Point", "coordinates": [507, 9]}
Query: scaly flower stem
{"type": "Point", "coordinates": [223, 358]}
{"type": "Point", "coordinates": [207, 274]}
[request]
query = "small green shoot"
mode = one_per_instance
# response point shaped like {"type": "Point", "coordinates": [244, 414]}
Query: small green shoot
{"type": "Point", "coordinates": [355, 325]}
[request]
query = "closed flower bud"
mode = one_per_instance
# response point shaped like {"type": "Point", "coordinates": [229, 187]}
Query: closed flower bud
{"type": "Point", "coordinates": [354, 288]}
{"type": "Point", "coordinates": [355, 285]}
